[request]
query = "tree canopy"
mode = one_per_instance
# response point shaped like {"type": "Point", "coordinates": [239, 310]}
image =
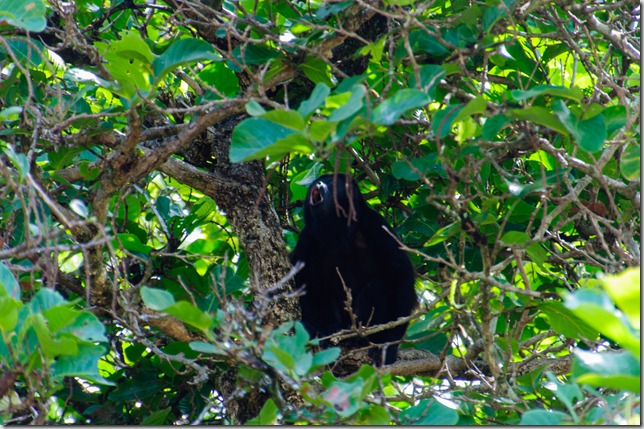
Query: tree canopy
{"type": "Point", "coordinates": [153, 160]}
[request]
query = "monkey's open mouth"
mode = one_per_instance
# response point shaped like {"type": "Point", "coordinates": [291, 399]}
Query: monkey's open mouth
{"type": "Point", "coordinates": [318, 192]}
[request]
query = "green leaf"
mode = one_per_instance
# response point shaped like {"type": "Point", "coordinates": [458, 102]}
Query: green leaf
{"type": "Point", "coordinates": [615, 118]}
{"type": "Point", "coordinates": [253, 108]}
{"type": "Point", "coordinates": [567, 393]}
{"type": "Point", "coordinates": [614, 370]}
{"type": "Point", "coordinates": [157, 418]}
{"type": "Point", "coordinates": [420, 40]}
{"type": "Point", "coordinates": [280, 359]}
{"type": "Point", "coordinates": [539, 115]}
{"type": "Point", "coordinates": [564, 322]}
{"type": "Point", "coordinates": [8, 313]}
{"type": "Point", "coordinates": [268, 415]}
{"type": "Point", "coordinates": [590, 134]}
{"type": "Point", "coordinates": [429, 412]}
{"type": "Point", "coordinates": [596, 309]}
{"type": "Point", "coordinates": [319, 94]}
{"type": "Point", "coordinates": [87, 171]}
{"type": "Point", "coordinates": [156, 299]}
{"type": "Point", "coordinates": [473, 107]}
{"type": "Point", "coordinates": [203, 347]}
{"type": "Point", "coordinates": [318, 71]}
{"type": "Point", "coordinates": [444, 233]}
{"type": "Point", "coordinates": [183, 51]}
{"type": "Point", "coordinates": [27, 14]}
{"type": "Point", "coordinates": [8, 284]}
{"type": "Point", "coordinates": [188, 313]}
{"type": "Point", "coordinates": [430, 77]}
{"type": "Point", "coordinates": [44, 300]}
{"type": "Point", "coordinates": [252, 54]}
{"type": "Point", "coordinates": [515, 237]}
{"type": "Point", "coordinates": [132, 243]}
{"type": "Point", "coordinates": [492, 15]}
{"type": "Point", "coordinates": [325, 357]}
{"type": "Point", "coordinates": [373, 415]}
{"type": "Point", "coordinates": [558, 91]}
{"type": "Point", "coordinates": [443, 120]}
{"type": "Point", "coordinates": [129, 61]}
{"type": "Point", "coordinates": [346, 396]}
{"type": "Point", "coordinates": [630, 162]}
{"type": "Point", "coordinates": [86, 327]}
{"type": "Point", "coordinates": [544, 418]}
{"type": "Point", "coordinates": [249, 143]}
{"type": "Point", "coordinates": [50, 346]}
{"type": "Point", "coordinates": [390, 110]}
{"type": "Point", "coordinates": [286, 118]}
{"type": "Point", "coordinates": [427, 166]}
{"type": "Point", "coordinates": [10, 113]}
{"type": "Point", "coordinates": [19, 161]}
{"type": "Point", "coordinates": [493, 126]}
{"type": "Point", "coordinates": [624, 289]}
{"type": "Point", "coordinates": [351, 106]}
{"type": "Point", "coordinates": [84, 364]}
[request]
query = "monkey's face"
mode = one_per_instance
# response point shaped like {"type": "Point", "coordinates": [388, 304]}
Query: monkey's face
{"type": "Point", "coordinates": [327, 210]}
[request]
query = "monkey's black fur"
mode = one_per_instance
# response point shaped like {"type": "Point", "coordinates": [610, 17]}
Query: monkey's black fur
{"type": "Point", "coordinates": [371, 264]}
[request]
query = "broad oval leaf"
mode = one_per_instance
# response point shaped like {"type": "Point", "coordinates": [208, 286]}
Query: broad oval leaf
{"type": "Point", "coordinates": [443, 120]}
{"type": "Point", "coordinates": [254, 137]}
{"type": "Point", "coordinates": [390, 110]}
{"type": "Point", "coordinates": [27, 14]}
{"type": "Point", "coordinates": [544, 418]}
{"type": "Point", "coordinates": [156, 299]}
{"type": "Point", "coordinates": [630, 165]}
{"type": "Point", "coordinates": [558, 91]}
{"type": "Point", "coordinates": [319, 94]}
{"type": "Point", "coordinates": [8, 284]}
{"type": "Point", "coordinates": [181, 52]}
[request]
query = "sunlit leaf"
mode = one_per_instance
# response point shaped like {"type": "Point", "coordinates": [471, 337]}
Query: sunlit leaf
{"type": "Point", "coordinates": [390, 110]}
{"type": "Point", "coordinates": [156, 299]}
{"type": "Point", "coordinates": [26, 14]}
{"type": "Point", "coordinates": [181, 52]}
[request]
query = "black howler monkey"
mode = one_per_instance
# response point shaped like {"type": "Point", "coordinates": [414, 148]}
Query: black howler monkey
{"type": "Point", "coordinates": [340, 243]}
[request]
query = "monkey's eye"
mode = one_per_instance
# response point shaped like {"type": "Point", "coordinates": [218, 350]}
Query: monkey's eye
{"type": "Point", "coordinates": [318, 192]}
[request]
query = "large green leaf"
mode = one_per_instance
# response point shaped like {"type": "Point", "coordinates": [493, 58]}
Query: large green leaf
{"type": "Point", "coordinates": [631, 162]}
{"type": "Point", "coordinates": [563, 321]}
{"type": "Point", "coordinates": [351, 106]}
{"type": "Point", "coordinates": [596, 309]}
{"type": "Point", "coordinates": [615, 370]}
{"type": "Point", "coordinates": [183, 51]}
{"type": "Point", "coordinates": [156, 299]}
{"type": "Point", "coordinates": [624, 289]}
{"type": "Point", "coordinates": [286, 118]}
{"type": "Point", "coordinates": [390, 110]}
{"type": "Point", "coordinates": [129, 61]}
{"type": "Point", "coordinates": [267, 415]}
{"type": "Point", "coordinates": [319, 94]}
{"type": "Point", "coordinates": [590, 134]}
{"type": "Point", "coordinates": [188, 313]}
{"type": "Point", "coordinates": [544, 418]}
{"type": "Point", "coordinates": [8, 284]}
{"type": "Point", "coordinates": [443, 120]}
{"type": "Point", "coordinates": [558, 91]}
{"type": "Point", "coordinates": [8, 313]}
{"type": "Point", "coordinates": [318, 71]}
{"type": "Point", "coordinates": [429, 412]}
{"type": "Point", "coordinates": [539, 115]}
{"type": "Point", "coordinates": [430, 77]}
{"type": "Point", "coordinates": [83, 364]}
{"type": "Point", "coordinates": [256, 138]}
{"type": "Point", "coordinates": [26, 14]}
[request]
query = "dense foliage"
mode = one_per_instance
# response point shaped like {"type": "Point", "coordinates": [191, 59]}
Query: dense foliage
{"type": "Point", "coordinates": [153, 159]}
